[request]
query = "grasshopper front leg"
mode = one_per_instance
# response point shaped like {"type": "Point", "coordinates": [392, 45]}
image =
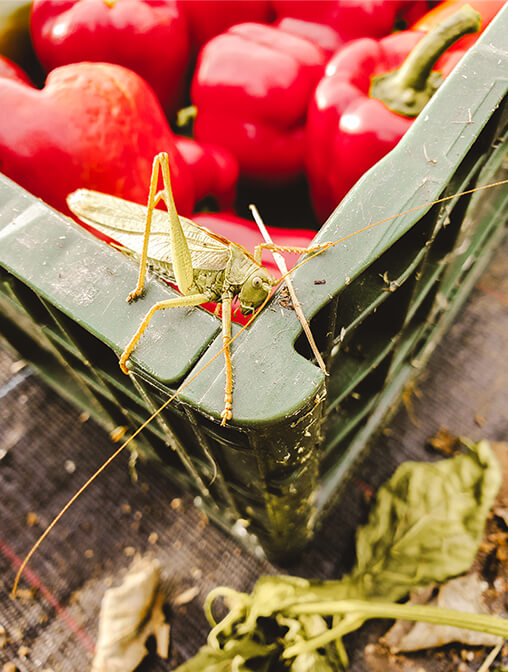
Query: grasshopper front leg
{"type": "Point", "coordinates": [182, 267]}
{"type": "Point", "coordinates": [180, 254]}
{"type": "Point", "coordinates": [286, 248]}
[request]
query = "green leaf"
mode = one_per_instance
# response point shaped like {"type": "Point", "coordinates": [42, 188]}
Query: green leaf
{"type": "Point", "coordinates": [311, 662]}
{"type": "Point", "coordinates": [241, 655]}
{"type": "Point", "coordinates": [426, 524]}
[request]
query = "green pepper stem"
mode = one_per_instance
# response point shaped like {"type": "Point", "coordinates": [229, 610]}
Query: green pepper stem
{"type": "Point", "coordinates": [417, 67]}
{"type": "Point", "coordinates": [409, 88]}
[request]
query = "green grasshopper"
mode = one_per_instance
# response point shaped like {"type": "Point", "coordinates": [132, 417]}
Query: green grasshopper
{"type": "Point", "coordinates": [124, 222]}
{"type": "Point", "coordinates": [205, 266]}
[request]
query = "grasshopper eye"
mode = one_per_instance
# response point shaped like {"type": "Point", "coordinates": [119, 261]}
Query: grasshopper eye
{"type": "Point", "coordinates": [257, 282]}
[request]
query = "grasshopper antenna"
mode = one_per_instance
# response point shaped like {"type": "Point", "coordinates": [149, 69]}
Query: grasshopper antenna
{"type": "Point", "coordinates": [281, 263]}
{"type": "Point", "coordinates": [303, 321]}
{"type": "Point", "coordinates": [117, 452]}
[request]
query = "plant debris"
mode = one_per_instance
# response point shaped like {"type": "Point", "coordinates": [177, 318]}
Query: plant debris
{"type": "Point", "coordinates": [500, 507]}
{"type": "Point", "coordinates": [425, 526]}
{"type": "Point", "coordinates": [130, 613]}
{"type": "Point", "coordinates": [445, 442]}
{"type": "Point", "coordinates": [465, 594]}
{"type": "Point", "coordinates": [186, 597]}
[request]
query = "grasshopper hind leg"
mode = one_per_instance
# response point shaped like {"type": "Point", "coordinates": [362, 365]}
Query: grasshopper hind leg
{"type": "Point", "coordinates": [179, 301]}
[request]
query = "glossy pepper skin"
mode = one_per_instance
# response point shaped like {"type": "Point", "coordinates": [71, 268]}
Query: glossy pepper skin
{"type": "Point", "coordinates": [147, 36]}
{"type": "Point", "coordinates": [208, 18]}
{"type": "Point", "coordinates": [352, 19]}
{"type": "Point", "coordinates": [214, 170]}
{"type": "Point", "coordinates": [10, 70]}
{"type": "Point", "coordinates": [348, 129]}
{"type": "Point", "coordinates": [251, 87]}
{"type": "Point", "coordinates": [320, 34]}
{"type": "Point", "coordinates": [92, 125]}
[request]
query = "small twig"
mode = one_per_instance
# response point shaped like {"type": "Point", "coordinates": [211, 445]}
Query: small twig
{"type": "Point", "coordinates": [427, 157]}
{"type": "Point", "coordinates": [491, 657]}
{"type": "Point", "coordinates": [281, 263]}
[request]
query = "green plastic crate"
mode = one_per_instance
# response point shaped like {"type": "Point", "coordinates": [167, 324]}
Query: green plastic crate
{"type": "Point", "coordinates": [388, 295]}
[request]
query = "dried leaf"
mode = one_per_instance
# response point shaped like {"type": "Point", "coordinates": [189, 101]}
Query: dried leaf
{"type": "Point", "coordinates": [464, 594]}
{"type": "Point", "coordinates": [501, 504]}
{"type": "Point", "coordinates": [445, 442]}
{"type": "Point", "coordinates": [130, 613]}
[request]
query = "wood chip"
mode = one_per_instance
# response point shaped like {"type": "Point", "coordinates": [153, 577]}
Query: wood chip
{"type": "Point", "coordinates": [32, 519]}
{"type": "Point", "coordinates": [186, 597]}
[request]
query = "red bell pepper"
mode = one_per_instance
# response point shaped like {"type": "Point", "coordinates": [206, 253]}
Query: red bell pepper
{"type": "Point", "coordinates": [324, 36]}
{"type": "Point", "coordinates": [245, 232]}
{"type": "Point", "coordinates": [147, 36]}
{"type": "Point", "coordinates": [15, 41]}
{"type": "Point", "coordinates": [486, 8]}
{"type": "Point", "coordinates": [93, 125]}
{"type": "Point", "coordinates": [214, 170]}
{"type": "Point", "coordinates": [353, 18]}
{"type": "Point", "coordinates": [358, 114]}
{"type": "Point", "coordinates": [251, 89]}
{"type": "Point", "coordinates": [10, 70]}
{"type": "Point", "coordinates": [208, 18]}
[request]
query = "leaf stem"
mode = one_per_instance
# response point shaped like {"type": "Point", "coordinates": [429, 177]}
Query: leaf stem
{"type": "Point", "coordinates": [493, 625]}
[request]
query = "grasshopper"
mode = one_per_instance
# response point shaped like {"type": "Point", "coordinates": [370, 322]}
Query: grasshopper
{"type": "Point", "coordinates": [205, 266]}
{"type": "Point", "coordinates": [94, 207]}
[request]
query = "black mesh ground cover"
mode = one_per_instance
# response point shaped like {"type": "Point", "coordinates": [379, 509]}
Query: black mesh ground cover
{"type": "Point", "coordinates": [464, 389]}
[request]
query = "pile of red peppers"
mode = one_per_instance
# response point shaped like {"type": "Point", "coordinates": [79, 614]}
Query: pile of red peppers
{"type": "Point", "coordinates": [272, 93]}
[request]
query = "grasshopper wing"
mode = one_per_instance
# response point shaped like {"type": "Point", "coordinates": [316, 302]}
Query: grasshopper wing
{"type": "Point", "coordinates": [124, 221]}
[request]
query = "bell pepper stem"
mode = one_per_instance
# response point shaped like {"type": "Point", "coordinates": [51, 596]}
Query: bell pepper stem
{"type": "Point", "coordinates": [408, 89]}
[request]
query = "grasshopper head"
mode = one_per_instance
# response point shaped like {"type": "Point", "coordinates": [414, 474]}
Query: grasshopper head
{"type": "Point", "coordinates": [255, 290]}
